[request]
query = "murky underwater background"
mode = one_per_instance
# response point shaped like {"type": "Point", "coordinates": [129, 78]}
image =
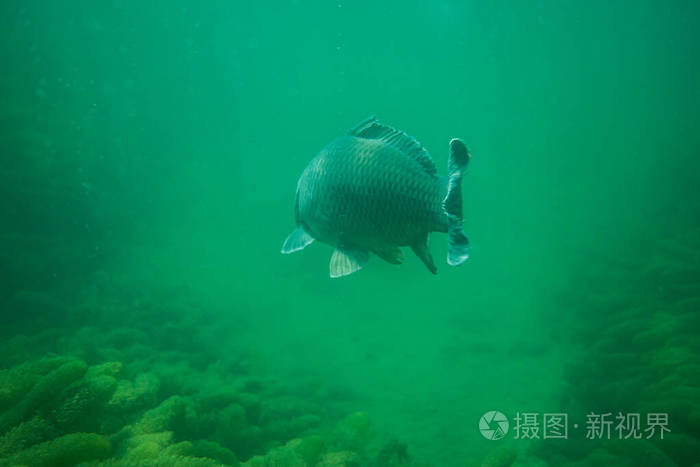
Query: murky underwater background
{"type": "Point", "coordinates": [150, 152]}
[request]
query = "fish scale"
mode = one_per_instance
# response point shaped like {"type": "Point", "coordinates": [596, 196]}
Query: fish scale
{"type": "Point", "coordinates": [370, 200]}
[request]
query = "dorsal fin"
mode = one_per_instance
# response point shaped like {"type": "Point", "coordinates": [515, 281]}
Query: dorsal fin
{"type": "Point", "coordinates": [370, 128]}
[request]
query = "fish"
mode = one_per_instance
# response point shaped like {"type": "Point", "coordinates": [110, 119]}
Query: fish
{"type": "Point", "coordinates": [374, 190]}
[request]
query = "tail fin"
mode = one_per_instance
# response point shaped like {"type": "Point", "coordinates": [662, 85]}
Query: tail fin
{"type": "Point", "coordinates": [458, 244]}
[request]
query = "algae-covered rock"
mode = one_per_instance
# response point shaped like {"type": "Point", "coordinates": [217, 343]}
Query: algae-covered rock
{"type": "Point", "coordinates": [601, 457]}
{"type": "Point", "coordinates": [65, 451]}
{"type": "Point", "coordinates": [680, 447]}
{"type": "Point", "coordinates": [229, 427]}
{"type": "Point", "coordinates": [134, 395]}
{"type": "Point", "coordinates": [58, 411]}
{"type": "Point", "coordinates": [393, 454]}
{"type": "Point", "coordinates": [295, 453]}
{"type": "Point", "coordinates": [230, 421]}
{"type": "Point", "coordinates": [503, 456]}
{"type": "Point", "coordinates": [167, 416]}
{"type": "Point", "coordinates": [287, 407]}
{"type": "Point", "coordinates": [33, 431]}
{"type": "Point", "coordinates": [45, 390]}
{"type": "Point", "coordinates": [17, 382]}
{"type": "Point", "coordinates": [164, 461]}
{"type": "Point", "coordinates": [142, 447]}
{"type": "Point", "coordinates": [144, 451]}
{"type": "Point", "coordinates": [83, 406]}
{"type": "Point", "coordinates": [157, 449]}
{"type": "Point", "coordinates": [641, 451]}
{"type": "Point", "coordinates": [252, 405]}
{"type": "Point", "coordinates": [255, 461]}
{"type": "Point", "coordinates": [249, 442]}
{"type": "Point", "coordinates": [284, 456]}
{"type": "Point", "coordinates": [185, 462]}
{"type": "Point", "coordinates": [212, 450]}
{"type": "Point", "coordinates": [309, 448]}
{"type": "Point", "coordinates": [128, 399]}
{"type": "Point", "coordinates": [113, 369]}
{"type": "Point", "coordinates": [339, 459]}
{"type": "Point", "coordinates": [220, 397]}
{"type": "Point", "coordinates": [181, 449]}
{"type": "Point", "coordinates": [290, 428]}
{"type": "Point", "coordinates": [14, 384]}
{"type": "Point", "coordinates": [355, 430]}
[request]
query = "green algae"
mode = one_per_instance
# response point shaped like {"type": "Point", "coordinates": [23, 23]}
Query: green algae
{"type": "Point", "coordinates": [66, 451]}
{"type": "Point", "coordinates": [43, 392]}
{"type": "Point", "coordinates": [647, 362]}
{"type": "Point", "coordinates": [135, 426]}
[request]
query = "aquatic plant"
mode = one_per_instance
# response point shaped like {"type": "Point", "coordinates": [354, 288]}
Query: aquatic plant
{"type": "Point", "coordinates": [637, 333]}
{"type": "Point", "coordinates": [64, 451]}
{"type": "Point", "coordinates": [58, 410]}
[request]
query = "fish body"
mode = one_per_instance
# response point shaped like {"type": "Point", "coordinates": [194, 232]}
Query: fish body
{"type": "Point", "coordinates": [375, 190]}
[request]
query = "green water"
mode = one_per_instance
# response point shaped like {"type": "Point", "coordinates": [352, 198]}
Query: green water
{"type": "Point", "coordinates": [150, 155]}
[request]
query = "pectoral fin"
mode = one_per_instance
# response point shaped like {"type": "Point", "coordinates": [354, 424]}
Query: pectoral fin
{"type": "Point", "coordinates": [348, 260]}
{"type": "Point", "coordinates": [421, 250]}
{"type": "Point", "coordinates": [297, 240]}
